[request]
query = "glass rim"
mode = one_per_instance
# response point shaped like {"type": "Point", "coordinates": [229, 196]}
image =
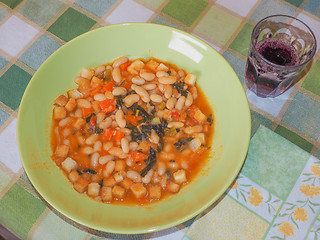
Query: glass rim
{"type": "Point", "coordinates": [281, 66]}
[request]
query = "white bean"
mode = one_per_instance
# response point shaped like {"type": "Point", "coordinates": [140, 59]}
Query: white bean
{"type": "Point", "coordinates": [168, 91]}
{"type": "Point", "coordinates": [173, 165]}
{"type": "Point", "coordinates": [75, 94]}
{"type": "Point", "coordinates": [195, 92]}
{"type": "Point", "coordinates": [129, 162]}
{"type": "Point", "coordinates": [81, 140]}
{"type": "Point", "coordinates": [161, 168]}
{"type": "Point", "coordinates": [87, 150]}
{"type": "Point", "coordinates": [92, 139]}
{"type": "Point", "coordinates": [105, 123]}
{"type": "Point", "coordinates": [99, 97]}
{"type": "Point", "coordinates": [147, 75]}
{"type": "Point", "coordinates": [119, 91]}
{"type": "Point", "coordinates": [131, 99]}
{"type": "Point", "coordinates": [121, 121]}
{"type": "Point", "coordinates": [100, 117]}
{"type": "Point", "coordinates": [193, 129]}
{"type": "Point", "coordinates": [107, 146]}
{"type": "Point", "coordinates": [64, 122]}
{"type": "Point", "coordinates": [78, 113]}
{"type": "Point", "coordinates": [125, 145]}
{"type": "Point", "coordinates": [184, 164]}
{"type": "Point", "coordinates": [167, 147]}
{"type": "Point", "coordinates": [180, 103]}
{"type": "Point", "coordinates": [120, 61]}
{"type": "Point", "coordinates": [175, 124]}
{"type": "Point", "coordinates": [97, 146]}
{"type": "Point", "coordinates": [133, 146]}
{"type": "Point", "coordinates": [171, 103]}
{"type": "Point", "coordinates": [135, 66]}
{"type": "Point", "coordinates": [83, 103]}
{"type": "Point", "coordinates": [126, 131]}
{"type": "Point", "coordinates": [147, 178]}
{"type": "Point", "coordinates": [109, 95]}
{"type": "Point", "coordinates": [162, 67]}
{"type": "Point", "coordinates": [156, 178]}
{"type": "Point", "coordinates": [117, 152]}
{"type": "Point", "coordinates": [116, 74]}
{"type": "Point", "coordinates": [134, 176]}
{"type": "Point", "coordinates": [66, 142]}
{"type": "Point", "coordinates": [94, 159]}
{"type": "Point", "coordinates": [106, 158]}
{"type": "Point", "coordinates": [149, 86]}
{"type": "Point", "coordinates": [167, 80]}
{"type": "Point", "coordinates": [181, 73]}
{"type": "Point", "coordinates": [114, 124]}
{"type": "Point", "coordinates": [162, 74]}
{"type": "Point", "coordinates": [87, 73]}
{"type": "Point", "coordinates": [161, 87]}
{"type": "Point", "coordinates": [109, 168]}
{"type": "Point", "coordinates": [189, 100]}
{"type": "Point", "coordinates": [156, 98]}
{"type": "Point", "coordinates": [142, 93]}
{"type": "Point", "coordinates": [138, 80]}
{"type": "Point", "coordinates": [99, 69]}
{"type": "Point", "coordinates": [118, 177]}
{"type": "Point", "coordinates": [66, 132]}
{"type": "Point", "coordinates": [154, 138]}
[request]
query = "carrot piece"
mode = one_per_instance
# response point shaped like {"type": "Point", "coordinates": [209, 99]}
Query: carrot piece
{"type": "Point", "coordinates": [137, 156]}
{"type": "Point", "coordinates": [93, 121]}
{"type": "Point", "coordinates": [86, 112]}
{"type": "Point", "coordinates": [124, 66]}
{"type": "Point", "coordinates": [85, 164]}
{"type": "Point", "coordinates": [175, 114]}
{"type": "Point", "coordinates": [108, 86]}
{"type": "Point", "coordinates": [108, 133]}
{"type": "Point", "coordinates": [107, 105]}
{"type": "Point", "coordinates": [127, 85]}
{"type": "Point", "coordinates": [118, 135]}
{"type": "Point", "coordinates": [95, 91]}
{"type": "Point", "coordinates": [133, 119]}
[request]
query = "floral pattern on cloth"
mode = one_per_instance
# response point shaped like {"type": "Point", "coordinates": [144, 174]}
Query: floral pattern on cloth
{"type": "Point", "coordinates": [255, 197]}
{"type": "Point", "coordinates": [294, 218]}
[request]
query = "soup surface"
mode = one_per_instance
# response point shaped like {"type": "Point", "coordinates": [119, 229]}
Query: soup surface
{"type": "Point", "coordinates": [133, 132]}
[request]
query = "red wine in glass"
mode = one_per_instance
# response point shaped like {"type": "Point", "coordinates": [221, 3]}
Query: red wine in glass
{"type": "Point", "coordinates": [269, 83]}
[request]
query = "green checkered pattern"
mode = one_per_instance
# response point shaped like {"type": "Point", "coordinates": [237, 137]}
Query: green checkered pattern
{"type": "Point", "coordinates": [277, 193]}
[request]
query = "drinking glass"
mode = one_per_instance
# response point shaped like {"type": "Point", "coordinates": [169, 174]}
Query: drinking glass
{"type": "Point", "coordinates": [280, 48]}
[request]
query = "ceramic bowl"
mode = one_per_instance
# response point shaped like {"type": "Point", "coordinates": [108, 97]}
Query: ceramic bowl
{"type": "Point", "coordinates": [216, 78]}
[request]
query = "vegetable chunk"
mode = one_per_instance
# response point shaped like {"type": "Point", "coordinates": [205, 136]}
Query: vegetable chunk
{"type": "Point", "coordinates": [138, 190]}
{"type": "Point", "coordinates": [133, 131]}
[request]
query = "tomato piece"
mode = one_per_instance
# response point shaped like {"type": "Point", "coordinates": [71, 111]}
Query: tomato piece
{"type": "Point", "coordinates": [86, 112]}
{"type": "Point", "coordinates": [93, 120]}
{"type": "Point", "coordinates": [138, 156]}
{"type": "Point", "coordinates": [107, 105]}
{"type": "Point", "coordinates": [108, 86]}
{"type": "Point", "coordinates": [108, 133]}
{"type": "Point", "coordinates": [133, 119]}
{"type": "Point", "coordinates": [118, 135]}
{"type": "Point", "coordinates": [95, 91]}
{"type": "Point", "coordinates": [124, 66]}
{"type": "Point", "coordinates": [175, 114]}
{"type": "Point", "coordinates": [127, 85]}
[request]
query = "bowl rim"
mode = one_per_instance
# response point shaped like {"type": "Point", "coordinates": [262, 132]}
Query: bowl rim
{"type": "Point", "coordinates": [213, 199]}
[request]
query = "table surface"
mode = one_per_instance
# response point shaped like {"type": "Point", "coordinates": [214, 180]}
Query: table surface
{"type": "Point", "coordinates": [282, 203]}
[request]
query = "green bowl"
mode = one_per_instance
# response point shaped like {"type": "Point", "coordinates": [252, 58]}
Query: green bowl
{"type": "Point", "coordinates": [216, 78]}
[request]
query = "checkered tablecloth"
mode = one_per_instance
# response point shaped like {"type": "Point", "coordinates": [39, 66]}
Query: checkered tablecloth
{"type": "Point", "coordinates": [277, 193]}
